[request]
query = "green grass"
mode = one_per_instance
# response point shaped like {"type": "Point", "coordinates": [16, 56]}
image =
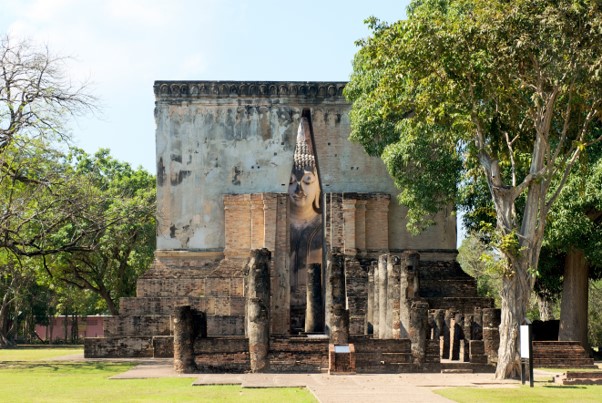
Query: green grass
{"type": "Point", "coordinates": [56, 381]}
{"type": "Point", "coordinates": [539, 393]}
{"type": "Point", "coordinates": [37, 354]}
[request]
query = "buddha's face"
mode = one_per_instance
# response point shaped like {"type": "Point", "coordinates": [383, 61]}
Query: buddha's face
{"type": "Point", "coordinates": [303, 188]}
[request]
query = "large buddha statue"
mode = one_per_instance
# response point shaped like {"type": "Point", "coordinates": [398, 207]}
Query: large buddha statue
{"type": "Point", "coordinates": [305, 218]}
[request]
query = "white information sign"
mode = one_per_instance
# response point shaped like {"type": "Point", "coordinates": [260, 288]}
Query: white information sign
{"type": "Point", "coordinates": [342, 349]}
{"type": "Point", "coordinates": [524, 341]}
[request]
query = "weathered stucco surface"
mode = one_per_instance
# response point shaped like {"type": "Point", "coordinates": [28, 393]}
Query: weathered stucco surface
{"type": "Point", "coordinates": [216, 138]}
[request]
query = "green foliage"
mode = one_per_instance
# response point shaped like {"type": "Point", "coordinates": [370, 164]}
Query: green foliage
{"type": "Point", "coordinates": [595, 314]}
{"type": "Point", "coordinates": [478, 260]}
{"type": "Point", "coordinates": [122, 248]}
{"type": "Point", "coordinates": [461, 80]}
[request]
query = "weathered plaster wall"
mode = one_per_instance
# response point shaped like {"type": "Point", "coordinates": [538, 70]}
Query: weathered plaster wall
{"type": "Point", "coordinates": [216, 138]}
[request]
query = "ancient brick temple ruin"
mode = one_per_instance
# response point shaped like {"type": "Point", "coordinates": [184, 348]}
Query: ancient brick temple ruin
{"type": "Point", "coordinates": [281, 246]}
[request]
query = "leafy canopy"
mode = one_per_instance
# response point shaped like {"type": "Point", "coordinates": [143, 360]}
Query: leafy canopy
{"type": "Point", "coordinates": [465, 85]}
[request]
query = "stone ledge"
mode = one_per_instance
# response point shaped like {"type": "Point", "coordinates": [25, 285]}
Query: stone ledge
{"type": "Point", "coordinates": [169, 90]}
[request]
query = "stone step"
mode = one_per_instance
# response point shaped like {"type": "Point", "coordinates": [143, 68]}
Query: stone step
{"type": "Point", "coordinates": [160, 325]}
{"type": "Point", "coordinates": [189, 287]}
{"type": "Point", "coordinates": [448, 287]}
{"type": "Point", "coordinates": [564, 363]}
{"type": "Point", "coordinates": [138, 325]}
{"type": "Point", "coordinates": [463, 304]}
{"type": "Point", "coordinates": [561, 354]}
{"type": "Point", "coordinates": [579, 378]}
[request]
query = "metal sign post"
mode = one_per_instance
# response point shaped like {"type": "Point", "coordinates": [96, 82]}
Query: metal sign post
{"type": "Point", "coordinates": [526, 353]}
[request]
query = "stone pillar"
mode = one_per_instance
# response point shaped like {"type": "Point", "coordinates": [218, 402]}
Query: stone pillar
{"type": "Point", "coordinates": [370, 307]}
{"type": "Point", "coordinates": [313, 312]}
{"type": "Point", "coordinates": [339, 316]}
{"type": "Point", "coordinates": [418, 330]}
{"type": "Point", "coordinates": [439, 318]}
{"type": "Point", "coordinates": [393, 297]}
{"type": "Point", "coordinates": [455, 335]}
{"type": "Point", "coordinates": [278, 232]}
{"type": "Point", "coordinates": [382, 297]}
{"type": "Point", "coordinates": [466, 332]}
{"type": "Point", "coordinates": [445, 350]}
{"type": "Point", "coordinates": [258, 302]}
{"type": "Point", "coordinates": [405, 302]}
{"type": "Point", "coordinates": [413, 262]}
{"type": "Point", "coordinates": [183, 340]}
{"type": "Point", "coordinates": [491, 332]}
{"type": "Point", "coordinates": [476, 332]}
{"type": "Point", "coordinates": [375, 305]}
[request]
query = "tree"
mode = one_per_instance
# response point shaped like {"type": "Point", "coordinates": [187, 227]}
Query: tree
{"type": "Point", "coordinates": [35, 95]}
{"type": "Point", "coordinates": [574, 233]}
{"type": "Point", "coordinates": [122, 248]}
{"type": "Point", "coordinates": [476, 259]}
{"type": "Point", "coordinates": [36, 198]}
{"type": "Point", "coordinates": [507, 91]}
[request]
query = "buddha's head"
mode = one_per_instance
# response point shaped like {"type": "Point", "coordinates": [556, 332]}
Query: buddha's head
{"type": "Point", "coordinates": [304, 186]}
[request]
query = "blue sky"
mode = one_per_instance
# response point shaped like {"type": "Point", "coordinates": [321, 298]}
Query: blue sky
{"type": "Point", "coordinates": [123, 46]}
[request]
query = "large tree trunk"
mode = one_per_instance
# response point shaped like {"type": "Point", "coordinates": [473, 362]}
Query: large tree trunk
{"type": "Point", "coordinates": [515, 299]}
{"type": "Point", "coordinates": [5, 328]}
{"type": "Point", "coordinates": [574, 307]}
{"type": "Point", "coordinates": [545, 308]}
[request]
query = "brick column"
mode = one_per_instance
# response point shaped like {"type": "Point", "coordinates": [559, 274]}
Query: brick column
{"type": "Point", "coordinates": [377, 217]}
{"type": "Point", "coordinates": [257, 221]}
{"type": "Point", "coordinates": [237, 223]}
{"type": "Point", "coordinates": [360, 226]}
{"type": "Point", "coordinates": [258, 302]}
{"type": "Point", "coordinates": [349, 226]}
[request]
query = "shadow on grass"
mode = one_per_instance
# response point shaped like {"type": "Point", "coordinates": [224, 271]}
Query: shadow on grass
{"type": "Point", "coordinates": [563, 387]}
{"type": "Point", "coordinates": [50, 366]}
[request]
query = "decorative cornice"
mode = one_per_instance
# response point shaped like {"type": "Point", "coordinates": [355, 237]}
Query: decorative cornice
{"type": "Point", "coordinates": [168, 90]}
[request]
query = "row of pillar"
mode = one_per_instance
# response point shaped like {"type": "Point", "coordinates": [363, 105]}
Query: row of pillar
{"type": "Point", "coordinates": [393, 283]}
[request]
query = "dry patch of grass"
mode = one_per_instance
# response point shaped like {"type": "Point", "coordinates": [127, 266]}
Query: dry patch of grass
{"type": "Point", "coordinates": [37, 354]}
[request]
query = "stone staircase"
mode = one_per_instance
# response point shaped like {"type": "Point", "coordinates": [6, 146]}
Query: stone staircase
{"type": "Point", "coordinates": [579, 378]}
{"type": "Point", "coordinates": [381, 356]}
{"type": "Point", "coordinates": [222, 354]}
{"type": "Point", "coordinates": [144, 326]}
{"type": "Point", "coordinates": [561, 354]}
{"type": "Point", "coordinates": [445, 285]}
{"type": "Point", "coordinates": [298, 354]}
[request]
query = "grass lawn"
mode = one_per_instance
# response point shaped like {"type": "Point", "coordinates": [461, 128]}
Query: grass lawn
{"type": "Point", "coordinates": [30, 377]}
{"type": "Point", "coordinates": [540, 393]}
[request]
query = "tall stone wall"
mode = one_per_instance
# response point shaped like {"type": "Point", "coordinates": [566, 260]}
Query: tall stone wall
{"type": "Point", "coordinates": [215, 138]}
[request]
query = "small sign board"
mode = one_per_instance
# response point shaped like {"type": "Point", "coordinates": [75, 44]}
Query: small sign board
{"type": "Point", "coordinates": [342, 349]}
{"type": "Point", "coordinates": [524, 341]}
